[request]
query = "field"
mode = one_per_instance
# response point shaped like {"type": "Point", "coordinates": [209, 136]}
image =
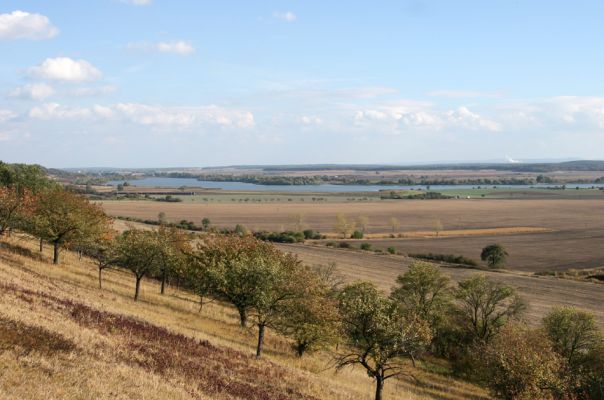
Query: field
{"type": "Point", "coordinates": [63, 337]}
{"type": "Point", "coordinates": [566, 233]}
{"type": "Point", "coordinates": [542, 293]}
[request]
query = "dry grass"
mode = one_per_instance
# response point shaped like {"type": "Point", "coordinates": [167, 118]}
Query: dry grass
{"type": "Point", "coordinates": [86, 343]}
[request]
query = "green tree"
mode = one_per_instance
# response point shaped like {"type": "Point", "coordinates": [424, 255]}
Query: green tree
{"type": "Point", "coordinates": [494, 255]}
{"type": "Point", "coordinates": [138, 251]}
{"type": "Point", "coordinates": [173, 245]}
{"type": "Point", "coordinates": [575, 335]}
{"type": "Point", "coordinates": [62, 217]}
{"type": "Point", "coordinates": [205, 223]}
{"type": "Point", "coordinates": [377, 333]}
{"type": "Point", "coordinates": [424, 291]}
{"type": "Point", "coordinates": [485, 306]}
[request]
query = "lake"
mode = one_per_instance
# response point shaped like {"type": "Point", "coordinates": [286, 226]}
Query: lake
{"type": "Point", "coordinates": [325, 188]}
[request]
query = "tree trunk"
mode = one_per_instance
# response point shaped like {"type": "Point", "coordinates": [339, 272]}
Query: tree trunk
{"type": "Point", "coordinates": [379, 387]}
{"type": "Point", "coordinates": [163, 282]}
{"type": "Point", "coordinates": [100, 278]}
{"type": "Point", "coordinates": [55, 259]}
{"type": "Point", "coordinates": [41, 245]}
{"type": "Point", "coordinates": [300, 349]}
{"type": "Point", "coordinates": [260, 340]}
{"type": "Point", "coordinates": [138, 287]}
{"type": "Point", "coordinates": [200, 303]}
{"type": "Point", "coordinates": [242, 317]}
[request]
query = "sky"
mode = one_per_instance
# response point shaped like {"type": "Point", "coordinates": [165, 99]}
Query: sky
{"type": "Point", "coordinates": [159, 83]}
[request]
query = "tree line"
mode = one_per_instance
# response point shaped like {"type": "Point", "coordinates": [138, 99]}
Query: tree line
{"type": "Point", "coordinates": [476, 324]}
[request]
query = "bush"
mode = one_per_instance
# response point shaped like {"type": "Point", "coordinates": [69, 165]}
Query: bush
{"type": "Point", "coordinates": [330, 244]}
{"type": "Point", "coordinates": [344, 245]}
{"type": "Point", "coordinates": [365, 246]}
{"type": "Point", "coordinates": [450, 258]}
{"type": "Point", "coordinates": [280, 237]}
{"type": "Point", "coordinates": [357, 235]}
{"type": "Point", "coordinates": [311, 234]}
{"type": "Point", "coordinates": [391, 250]}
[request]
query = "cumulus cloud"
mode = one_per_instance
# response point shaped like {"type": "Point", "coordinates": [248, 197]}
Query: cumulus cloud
{"type": "Point", "coordinates": [6, 115]}
{"type": "Point", "coordinates": [179, 47]}
{"type": "Point", "coordinates": [93, 91]}
{"type": "Point", "coordinates": [65, 69]}
{"type": "Point", "coordinates": [310, 120]}
{"type": "Point", "coordinates": [287, 16]}
{"type": "Point", "coordinates": [23, 25]}
{"type": "Point", "coordinates": [470, 120]}
{"type": "Point", "coordinates": [37, 91]}
{"type": "Point", "coordinates": [144, 114]}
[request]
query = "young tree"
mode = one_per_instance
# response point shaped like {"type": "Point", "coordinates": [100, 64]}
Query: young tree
{"type": "Point", "coordinates": [102, 251]}
{"type": "Point", "coordinates": [519, 364]}
{"type": "Point", "coordinates": [494, 255]}
{"type": "Point", "coordinates": [62, 217]}
{"type": "Point", "coordinates": [14, 208]}
{"type": "Point", "coordinates": [173, 245]}
{"type": "Point", "coordinates": [424, 291]}
{"type": "Point", "coordinates": [311, 319]}
{"type": "Point", "coordinates": [438, 226]}
{"type": "Point", "coordinates": [139, 251]}
{"type": "Point", "coordinates": [377, 333]}
{"type": "Point", "coordinates": [395, 224]}
{"type": "Point", "coordinates": [205, 223]}
{"type": "Point", "coordinates": [484, 306]}
{"type": "Point", "coordinates": [362, 223]}
{"type": "Point", "coordinates": [343, 226]}
{"type": "Point", "coordinates": [574, 333]}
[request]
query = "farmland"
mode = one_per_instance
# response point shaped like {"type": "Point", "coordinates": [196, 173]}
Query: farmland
{"type": "Point", "coordinates": [566, 233]}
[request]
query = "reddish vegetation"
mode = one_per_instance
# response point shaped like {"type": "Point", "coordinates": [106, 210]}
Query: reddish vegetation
{"type": "Point", "coordinates": [212, 369]}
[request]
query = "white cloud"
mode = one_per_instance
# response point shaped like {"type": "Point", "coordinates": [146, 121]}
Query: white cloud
{"type": "Point", "coordinates": [143, 114]}
{"type": "Point", "coordinates": [311, 120]}
{"type": "Point", "coordinates": [180, 47]}
{"type": "Point", "coordinates": [137, 2]}
{"type": "Point", "coordinates": [65, 69]}
{"type": "Point", "coordinates": [6, 115]}
{"type": "Point", "coordinates": [36, 91]}
{"type": "Point", "coordinates": [177, 47]}
{"type": "Point", "coordinates": [23, 25]}
{"type": "Point", "coordinates": [287, 16]}
{"type": "Point", "coordinates": [467, 119]}
{"type": "Point", "coordinates": [94, 91]}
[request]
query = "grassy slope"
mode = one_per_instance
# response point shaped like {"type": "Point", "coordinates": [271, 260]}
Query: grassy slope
{"type": "Point", "coordinates": [62, 337]}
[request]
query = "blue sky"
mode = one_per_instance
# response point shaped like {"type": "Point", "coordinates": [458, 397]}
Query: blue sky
{"type": "Point", "coordinates": [145, 83]}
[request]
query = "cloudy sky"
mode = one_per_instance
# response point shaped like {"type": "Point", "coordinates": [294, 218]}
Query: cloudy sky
{"type": "Point", "coordinates": [145, 83]}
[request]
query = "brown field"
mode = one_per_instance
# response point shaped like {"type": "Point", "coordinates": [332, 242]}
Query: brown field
{"type": "Point", "coordinates": [542, 293]}
{"type": "Point", "coordinates": [575, 238]}
{"type": "Point", "coordinates": [63, 338]}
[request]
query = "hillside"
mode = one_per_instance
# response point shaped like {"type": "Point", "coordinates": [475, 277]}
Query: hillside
{"type": "Point", "coordinates": [63, 337]}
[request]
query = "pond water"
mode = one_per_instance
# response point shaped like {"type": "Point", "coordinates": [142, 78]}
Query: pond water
{"type": "Point", "coordinates": [325, 188]}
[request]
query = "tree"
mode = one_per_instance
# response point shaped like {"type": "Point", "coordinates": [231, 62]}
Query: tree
{"type": "Point", "coordinates": [14, 207]}
{"type": "Point", "coordinates": [102, 251]}
{"type": "Point", "coordinates": [395, 224]}
{"type": "Point", "coordinates": [574, 333]}
{"type": "Point", "coordinates": [298, 222]}
{"type": "Point", "coordinates": [138, 251]}
{"type": "Point", "coordinates": [62, 217]}
{"type": "Point", "coordinates": [424, 291]}
{"type": "Point", "coordinates": [205, 223]}
{"type": "Point", "coordinates": [311, 319]}
{"type": "Point", "coordinates": [438, 226]}
{"type": "Point", "coordinates": [343, 226]}
{"type": "Point", "coordinates": [161, 218]}
{"type": "Point", "coordinates": [484, 306]}
{"type": "Point", "coordinates": [377, 333]}
{"type": "Point", "coordinates": [494, 255]}
{"type": "Point", "coordinates": [520, 364]}
{"type": "Point", "coordinates": [362, 223]}
{"type": "Point", "coordinates": [173, 244]}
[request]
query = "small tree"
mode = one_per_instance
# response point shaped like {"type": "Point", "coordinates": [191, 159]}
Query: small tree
{"type": "Point", "coordinates": [575, 334]}
{"type": "Point", "coordinates": [139, 251]}
{"type": "Point", "coordinates": [343, 226]}
{"type": "Point", "coordinates": [14, 208]}
{"type": "Point", "coordinates": [484, 306]}
{"type": "Point", "coordinates": [519, 364]}
{"type": "Point", "coordinates": [362, 223]}
{"type": "Point", "coordinates": [102, 251]}
{"type": "Point", "coordinates": [494, 255]}
{"type": "Point", "coordinates": [395, 224]}
{"type": "Point", "coordinates": [62, 217]}
{"type": "Point", "coordinates": [173, 244]}
{"type": "Point", "coordinates": [205, 223]}
{"type": "Point", "coordinates": [438, 226]}
{"type": "Point", "coordinates": [377, 333]}
{"type": "Point", "coordinates": [161, 218]}
{"type": "Point", "coordinates": [424, 291]}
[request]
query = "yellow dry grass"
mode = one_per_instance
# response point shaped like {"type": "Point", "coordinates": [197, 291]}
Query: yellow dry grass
{"type": "Point", "coordinates": [100, 363]}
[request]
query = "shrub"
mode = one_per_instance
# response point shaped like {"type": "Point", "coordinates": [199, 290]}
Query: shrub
{"type": "Point", "coordinates": [344, 245]}
{"type": "Point", "coordinates": [450, 258]}
{"type": "Point", "coordinates": [312, 234]}
{"type": "Point", "coordinates": [357, 235]}
{"type": "Point", "coordinates": [391, 250]}
{"type": "Point", "coordinates": [365, 246]}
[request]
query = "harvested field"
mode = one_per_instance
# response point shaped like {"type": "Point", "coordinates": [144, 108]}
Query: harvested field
{"type": "Point", "coordinates": [542, 293]}
{"type": "Point", "coordinates": [564, 233]}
